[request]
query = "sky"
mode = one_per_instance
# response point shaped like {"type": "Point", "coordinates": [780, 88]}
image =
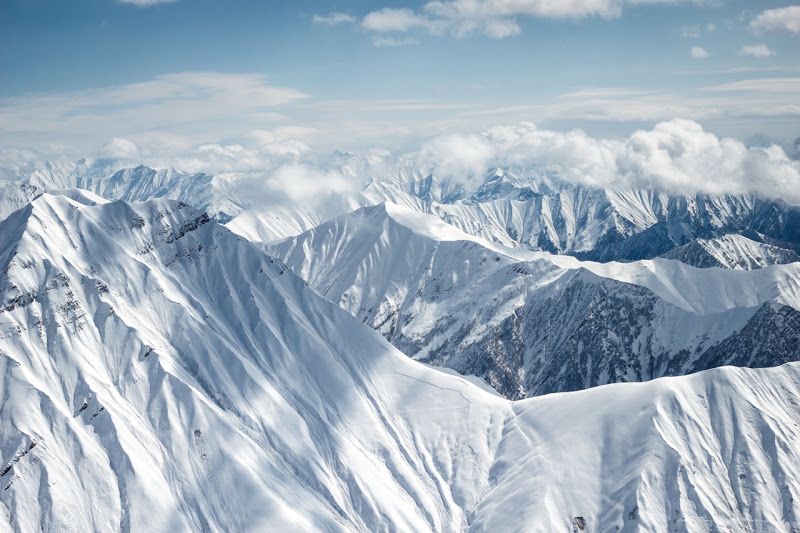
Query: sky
{"type": "Point", "coordinates": [149, 77]}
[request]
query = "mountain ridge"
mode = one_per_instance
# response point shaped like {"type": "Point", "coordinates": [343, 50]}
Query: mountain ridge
{"type": "Point", "coordinates": [166, 374]}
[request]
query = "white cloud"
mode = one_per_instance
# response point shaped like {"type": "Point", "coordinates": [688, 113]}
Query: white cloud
{"type": "Point", "coordinates": [757, 50]}
{"type": "Point", "coordinates": [762, 85]}
{"type": "Point", "coordinates": [333, 19]}
{"type": "Point", "coordinates": [781, 19]}
{"type": "Point", "coordinates": [699, 53]}
{"type": "Point", "coordinates": [145, 3]}
{"type": "Point", "coordinates": [195, 104]}
{"type": "Point", "coordinates": [119, 148]}
{"type": "Point", "coordinates": [495, 18]}
{"type": "Point", "coordinates": [674, 156]}
{"type": "Point", "coordinates": [393, 42]}
{"type": "Point", "coordinates": [395, 20]}
{"type": "Point", "coordinates": [694, 31]}
{"type": "Point", "coordinates": [488, 9]}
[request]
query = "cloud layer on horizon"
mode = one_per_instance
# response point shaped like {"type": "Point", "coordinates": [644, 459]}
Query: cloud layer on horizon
{"type": "Point", "coordinates": [675, 156]}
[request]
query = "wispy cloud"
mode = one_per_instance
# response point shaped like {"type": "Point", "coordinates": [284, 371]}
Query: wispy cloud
{"type": "Point", "coordinates": [175, 102]}
{"type": "Point", "coordinates": [333, 19]}
{"type": "Point", "coordinates": [603, 92]}
{"type": "Point", "coordinates": [393, 42]}
{"type": "Point", "coordinates": [493, 18]}
{"type": "Point", "coordinates": [763, 85]}
{"type": "Point", "coordinates": [757, 50]}
{"type": "Point", "coordinates": [698, 52]}
{"type": "Point", "coordinates": [786, 19]}
{"type": "Point", "coordinates": [695, 31]}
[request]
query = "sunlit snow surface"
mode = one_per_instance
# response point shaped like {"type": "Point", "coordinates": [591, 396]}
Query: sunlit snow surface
{"type": "Point", "coordinates": [531, 322]}
{"type": "Point", "coordinates": [160, 373]}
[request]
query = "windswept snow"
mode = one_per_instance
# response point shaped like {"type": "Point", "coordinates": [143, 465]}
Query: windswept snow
{"type": "Point", "coordinates": [160, 373]}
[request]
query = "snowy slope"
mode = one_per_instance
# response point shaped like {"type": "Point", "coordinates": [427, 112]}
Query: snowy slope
{"type": "Point", "coordinates": [211, 193]}
{"type": "Point", "coordinates": [521, 208]}
{"type": "Point", "coordinates": [14, 196]}
{"type": "Point", "coordinates": [273, 224]}
{"type": "Point", "coordinates": [161, 374]}
{"type": "Point", "coordinates": [532, 323]}
{"type": "Point", "coordinates": [732, 252]}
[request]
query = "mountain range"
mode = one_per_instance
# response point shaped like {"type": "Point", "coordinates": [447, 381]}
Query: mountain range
{"type": "Point", "coordinates": [160, 372]}
{"type": "Point", "coordinates": [512, 353]}
{"type": "Point", "coordinates": [532, 323]}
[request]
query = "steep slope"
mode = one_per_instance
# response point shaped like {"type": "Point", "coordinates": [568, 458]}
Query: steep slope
{"type": "Point", "coordinates": [161, 374]}
{"type": "Point", "coordinates": [533, 323]}
{"type": "Point", "coordinates": [14, 196]}
{"type": "Point", "coordinates": [273, 224]}
{"type": "Point", "coordinates": [732, 252]}
{"type": "Point", "coordinates": [521, 209]}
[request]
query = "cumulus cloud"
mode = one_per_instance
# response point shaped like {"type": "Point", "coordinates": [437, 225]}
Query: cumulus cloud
{"type": "Point", "coordinates": [674, 156]}
{"type": "Point", "coordinates": [493, 18]}
{"type": "Point", "coordinates": [303, 186]}
{"type": "Point", "coordinates": [333, 19]}
{"type": "Point", "coordinates": [786, 19]}
{"type": "Point", "coordinates": [119, 148]}
{"type": "Point", "coordinates": [395, 20]}
{"type": "Point", "coordinates": [757, 50]}
{"type": "Point", "coordinates": [699, 53]}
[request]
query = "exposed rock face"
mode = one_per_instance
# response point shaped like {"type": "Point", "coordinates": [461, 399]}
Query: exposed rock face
{"type": "Point", "coordinates": [159, 374]}
{"type": "Point", "coordinates": [734, 252]}
{"type": "Point", "coordinates": [530, 326]}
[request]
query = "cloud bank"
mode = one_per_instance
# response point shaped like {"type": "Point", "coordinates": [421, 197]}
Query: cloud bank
{"type": "Point", "coordinates": [676, 156]}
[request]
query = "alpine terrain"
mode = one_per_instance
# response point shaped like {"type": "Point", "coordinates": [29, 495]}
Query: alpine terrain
{"type": "Point", "coordinates": [161, 373]}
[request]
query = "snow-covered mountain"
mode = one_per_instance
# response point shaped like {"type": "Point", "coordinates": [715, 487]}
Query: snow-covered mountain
{"type": "Point", "coordinates": [516, 207]}
{"type": "Point", "coordinates": [213, 194]}
{"type": "Point", "coordinates": [734, 252]}
{"type": "Point", "coordinates": [598, 224]}
{"type": "Point", "coordinates": [160, 373]}
{"type": "Point", "coordinates": [14, 196]}
{"type": "Point", "coordinates": [546, 214]}
{"type": "Point", "coordinates": [533, 323]}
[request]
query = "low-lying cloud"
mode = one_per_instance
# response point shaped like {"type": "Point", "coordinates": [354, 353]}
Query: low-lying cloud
{"type": "Point", "coordinates": [676, 156]}
{"type": "Point", "coordinates": [278, 167]}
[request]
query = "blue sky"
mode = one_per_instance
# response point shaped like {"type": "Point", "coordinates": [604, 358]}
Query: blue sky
{"type": "Point", "coordinates": [389, 74]}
